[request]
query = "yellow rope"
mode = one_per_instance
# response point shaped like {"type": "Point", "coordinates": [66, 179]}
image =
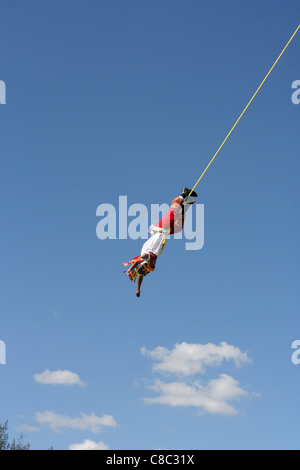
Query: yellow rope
{"type": "Point", "coordinates": [245, 109]}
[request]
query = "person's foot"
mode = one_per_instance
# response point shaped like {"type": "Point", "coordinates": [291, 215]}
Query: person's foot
{"type": "Point", "coordinates": [138, 293]}
{"type": "Point", "coordinates": [188, 192]}
{"type": "Point", "coordinates": [186, 205]}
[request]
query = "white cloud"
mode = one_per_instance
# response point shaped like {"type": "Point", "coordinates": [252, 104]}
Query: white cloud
{"type": "Point", "coordinates": [186, 360]}
{"type": "Point", "coordinates": [58, 422]}
{"type": "Point", "coordinates": [27, 428]}
{"type": "Point", "coordinates": [89, 445]}
{"type": "Point", "coordinates": [189, 359]}
{"type": "Point", "coordinates": [213, 398]}
{"type": "Point", "coordinates": [58, 377]}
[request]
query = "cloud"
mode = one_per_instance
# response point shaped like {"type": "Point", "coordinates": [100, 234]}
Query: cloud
{"type": "Point", "coordinates": [27, 428]}
{"type": "Point", "coordinates": [189, 359]}
{"type": "Point", "coordinates": [89, 445]}
{"type": "Point", "coordinates": [58, 422]}
{"type": "Point", "coordinates": [58, 377]}
{"type": "Point", "coordinates": [186, 360]}
{"type": "Point", "coordinates": [212, 398]}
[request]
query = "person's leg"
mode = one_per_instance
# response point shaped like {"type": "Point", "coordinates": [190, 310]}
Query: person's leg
{"type": "Point", "coordinates": [174, 219]}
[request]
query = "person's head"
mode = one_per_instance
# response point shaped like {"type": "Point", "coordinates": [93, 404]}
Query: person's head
{"type": "Point", "coordinates": [145, 267]}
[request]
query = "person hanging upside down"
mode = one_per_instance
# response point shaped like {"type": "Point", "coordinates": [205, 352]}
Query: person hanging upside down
{"type": "Point", "coordinates": [171, 223]}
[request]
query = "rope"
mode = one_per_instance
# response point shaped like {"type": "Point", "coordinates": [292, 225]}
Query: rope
{"type": "Point", "coordinates": [245, 109]}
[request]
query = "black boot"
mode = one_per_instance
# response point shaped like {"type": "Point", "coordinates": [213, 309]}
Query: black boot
{"type": "Point", "coordinates": [186, 205]}
{"type": "Point", "coordinates": [186, 192]}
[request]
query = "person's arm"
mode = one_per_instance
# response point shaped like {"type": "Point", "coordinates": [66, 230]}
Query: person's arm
{"type": "Point", "coordinates": [138, 291]}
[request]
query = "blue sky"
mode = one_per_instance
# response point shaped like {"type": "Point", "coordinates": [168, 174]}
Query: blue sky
{"type": "Point", "coordinates": [110, 98]}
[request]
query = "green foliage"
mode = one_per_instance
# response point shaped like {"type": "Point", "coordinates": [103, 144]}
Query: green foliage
{"type": "Point", "coordinates": [16, 444]}
{"type": "Point", "coordinates": [4, 445]}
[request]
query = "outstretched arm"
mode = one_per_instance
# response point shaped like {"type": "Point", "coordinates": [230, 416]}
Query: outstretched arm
{"type": "Point", "coordinates": [138, 291]}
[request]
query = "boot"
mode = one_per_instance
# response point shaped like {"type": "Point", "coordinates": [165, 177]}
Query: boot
{"type": "Point", "coordinates": [186, 205]}
{"type": "Point", "coordinates": [186, 192]}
